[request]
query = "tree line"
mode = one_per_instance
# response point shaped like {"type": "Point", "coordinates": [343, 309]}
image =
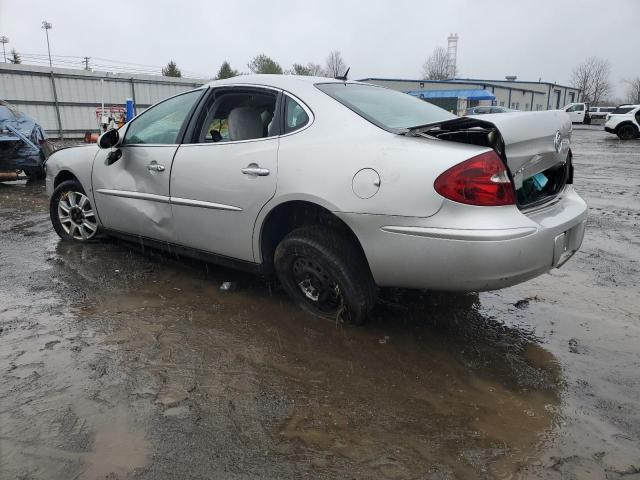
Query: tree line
{"type": "Point", "coordinates": [334, 66]}
{"type": "Point", "coordinates": [592, 76]}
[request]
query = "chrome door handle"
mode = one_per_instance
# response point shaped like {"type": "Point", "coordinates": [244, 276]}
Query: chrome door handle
{"type": "Point", "coordinates": [155, 167]}
{"type": "Point", "coordinates": [255, 170]}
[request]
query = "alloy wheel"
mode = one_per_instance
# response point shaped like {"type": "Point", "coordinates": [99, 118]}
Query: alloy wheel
{"type": "Point", "coordinates": [77, 216]}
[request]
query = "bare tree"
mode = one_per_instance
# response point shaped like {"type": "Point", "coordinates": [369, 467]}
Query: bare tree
{"type": "Point", "coordinates": [15, 57]}
{"type": "Point", "coordinates": [633, 90]}
{"type": "Point", "coordinates": [335, 65]}
{"type": "Point", "coordinates": [436, 67]}
{"type": "Point", "coordinates": [592, 77]}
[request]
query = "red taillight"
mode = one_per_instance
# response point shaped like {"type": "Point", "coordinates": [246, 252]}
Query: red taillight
{"type": "Point", "coordinates": [481, 180]}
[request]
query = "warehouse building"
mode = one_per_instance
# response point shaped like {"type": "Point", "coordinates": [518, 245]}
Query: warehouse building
{"type": "Point", "coordinates": [67, 103]}
{"type": "Point", "coordinates": [458, 94]}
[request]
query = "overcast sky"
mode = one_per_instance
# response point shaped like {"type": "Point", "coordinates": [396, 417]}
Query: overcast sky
{"type": "Point", "coordinates": [541, 38]}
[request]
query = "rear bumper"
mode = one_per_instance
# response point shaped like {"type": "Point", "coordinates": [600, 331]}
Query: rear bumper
{"type": "Point", "coordinates": [465, 248]}
{"type": "Point", "coordinates": [610, 130]}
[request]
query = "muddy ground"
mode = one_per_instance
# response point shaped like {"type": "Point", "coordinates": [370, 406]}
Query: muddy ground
{"type": "Point", "coordinates": [121, 364]}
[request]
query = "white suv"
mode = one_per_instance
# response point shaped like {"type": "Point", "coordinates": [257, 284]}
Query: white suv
{"type": "Point", "coordinates": [624, 121]}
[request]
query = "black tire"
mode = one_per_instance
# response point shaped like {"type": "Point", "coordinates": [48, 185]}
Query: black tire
{"type": "Point", "coordinates": [34, 173]}
{"type": "Point", "coordinates": [321, 262]}
{"type": "Point", "coordinates": [80, 224]}
{"type": "Point", "coordinates": [627, 132]}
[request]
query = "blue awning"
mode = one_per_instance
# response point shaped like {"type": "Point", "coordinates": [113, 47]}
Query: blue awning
{"type": "Point", "coordinates": [469, 94]}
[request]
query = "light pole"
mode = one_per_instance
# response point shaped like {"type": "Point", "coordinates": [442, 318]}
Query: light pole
{"type": "Point", "coordinates": [47, 26]}
{"type": "Point", "coordinates": [3, 41]}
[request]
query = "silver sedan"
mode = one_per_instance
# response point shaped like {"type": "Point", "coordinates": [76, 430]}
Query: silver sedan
{"type": "Point", "coordinates": [337, 187]}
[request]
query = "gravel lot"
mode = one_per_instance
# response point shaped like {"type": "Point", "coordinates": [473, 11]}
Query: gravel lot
{"type": "Point", "coordinates": [121, 364]}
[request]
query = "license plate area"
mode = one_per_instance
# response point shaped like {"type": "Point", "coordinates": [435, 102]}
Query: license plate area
{"type": "Point", "coordinates": [567, 243]}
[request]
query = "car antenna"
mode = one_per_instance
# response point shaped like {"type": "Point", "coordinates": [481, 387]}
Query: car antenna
{"type": "Point", "coordinates": [343, 77]}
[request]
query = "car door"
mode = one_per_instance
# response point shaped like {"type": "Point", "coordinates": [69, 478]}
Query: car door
{"type": "Point", "coordinates": [228, 171]}
{"type": "Point", "coordinates": [132, 193]}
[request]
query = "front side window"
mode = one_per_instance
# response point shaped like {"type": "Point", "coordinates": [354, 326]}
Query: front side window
{"type": "Point", "coordinates": [294, 117]}
{"type": "Point", "coordinates": [162, 123]}
{"type": "Point", "coordinates": [622, 110]}
{"type": "Point", "coordinates": [389, 109]}
{"type": "Point", "coordinates": [235, 115]}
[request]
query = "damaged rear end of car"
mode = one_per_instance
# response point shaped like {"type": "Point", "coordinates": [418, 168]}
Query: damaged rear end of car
{"type": "Point", "coordinates": [534, 147]}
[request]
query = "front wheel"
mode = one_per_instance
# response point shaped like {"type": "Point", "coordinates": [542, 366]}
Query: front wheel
{"type": "Point", "coordinates": [627, 132]}
{"type": "Point", "coordinates": [326, 274]}
{"type": "Point", "coordinates": [72, 213]}
{"type": "Point", "coordinates": [34, 173]}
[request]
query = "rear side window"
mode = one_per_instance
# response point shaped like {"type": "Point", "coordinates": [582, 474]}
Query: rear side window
{"type": "Point", "coordinates": [622, 110]}
{"type": "Point", "coordinates": [388, 109]}
{"type": "Point", "coordinates": [294, 116]}
{"type": "Point", "coordinates": [236, 114]}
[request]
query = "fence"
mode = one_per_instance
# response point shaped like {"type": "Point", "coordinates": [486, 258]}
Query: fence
{"type": "Point", "coordinates": [64, 101]}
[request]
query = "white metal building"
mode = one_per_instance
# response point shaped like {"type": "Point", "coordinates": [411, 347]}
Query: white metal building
{"type": "Point", "coordinates": [64, 101]}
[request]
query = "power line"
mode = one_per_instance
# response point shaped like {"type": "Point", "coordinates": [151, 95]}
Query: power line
{"type": "Point", "coordinates": [105, 63]}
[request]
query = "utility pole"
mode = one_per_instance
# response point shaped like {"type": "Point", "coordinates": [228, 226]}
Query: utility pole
{"type": "Point", "coordinates": [3, 41]}
{"type": "Point", "coordinates": [47, 26]}
{"type": "Point", "coordinates": [86, 63]}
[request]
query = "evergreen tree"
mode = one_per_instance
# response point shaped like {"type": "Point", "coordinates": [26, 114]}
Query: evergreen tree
{"type": "Point", "coordinates": [171, 70]}
{"type": "Point", "coordinates": [226, 71]}
{"type": "Point", "coordinates": [264, 64]}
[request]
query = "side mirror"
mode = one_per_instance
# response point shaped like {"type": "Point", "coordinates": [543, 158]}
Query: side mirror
{"type": "Point", "coordinates": [109, 139]}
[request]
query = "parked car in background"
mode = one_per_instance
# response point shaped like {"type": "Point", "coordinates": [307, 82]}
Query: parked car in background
{"type": "Point", "coordinates": [624, 121]}
{"type": "Point", "coordinates": [22, 144]}
{"type": "Point", "coordinates": [578, 112]}
{"type": "Point", "coordinates": [600, 113]}
{"type": "Point", "coordinates": [336, 186]}
{"type": "Point", "coordinates": [482, 110]}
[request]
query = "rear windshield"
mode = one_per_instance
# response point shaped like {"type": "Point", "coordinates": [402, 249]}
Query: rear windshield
{"type": "Point", "coordinates": [389, 109]}
{"type": "Point", "coordinates": [621, 110]}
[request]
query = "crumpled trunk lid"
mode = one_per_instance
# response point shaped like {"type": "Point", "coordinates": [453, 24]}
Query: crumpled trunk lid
{"type": "Point", "coordinates": [533, 141]}
{"type": "Point", "coordinates": [534, 146]}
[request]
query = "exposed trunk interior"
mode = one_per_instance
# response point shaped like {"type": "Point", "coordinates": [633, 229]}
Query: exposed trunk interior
{"type": "Point", "coordinates": [534, 190]}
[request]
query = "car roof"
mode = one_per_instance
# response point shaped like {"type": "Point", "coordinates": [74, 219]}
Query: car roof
{"type": "Point", "coordinates": [284, 82]}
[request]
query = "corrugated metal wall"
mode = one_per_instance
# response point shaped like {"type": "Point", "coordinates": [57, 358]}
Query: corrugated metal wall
{"type": "Point", "coordinates": [77, 93]}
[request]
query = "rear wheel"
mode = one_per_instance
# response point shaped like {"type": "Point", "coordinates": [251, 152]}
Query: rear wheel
{"type": "Point", "coordinates": [72, 214]}
{"type": "Point", "coordinates": [325, 274]}
{"type": "Point", "coordinates": [627, 132]}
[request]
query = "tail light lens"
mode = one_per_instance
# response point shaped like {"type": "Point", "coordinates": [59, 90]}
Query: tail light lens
{"type": "Point", "coordinates": [481, 180]}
